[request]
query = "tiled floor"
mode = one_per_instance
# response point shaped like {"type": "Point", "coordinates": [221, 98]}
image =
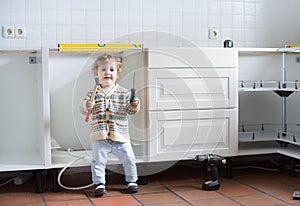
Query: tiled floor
{"type": "Point", "coordinates": [179, 185]}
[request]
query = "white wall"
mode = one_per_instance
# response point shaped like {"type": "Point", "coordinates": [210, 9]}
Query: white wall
{"type": "Point", "coordinates": [250, 23]}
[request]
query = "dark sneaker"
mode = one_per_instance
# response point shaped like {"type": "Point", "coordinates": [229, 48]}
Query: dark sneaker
{"type": "Point", "coordinates": [100, 190]}
{"type": "Point", "coordinates": [132, 187]}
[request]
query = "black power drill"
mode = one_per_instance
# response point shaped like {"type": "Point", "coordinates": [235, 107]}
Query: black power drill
{"type": "Point", "coordinates": [211, 160]}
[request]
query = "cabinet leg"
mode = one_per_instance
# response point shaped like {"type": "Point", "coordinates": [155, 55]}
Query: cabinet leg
{"type": "Point", "coordinates": [39, 185]}
{"type": "Point", "coordinates": [228, 167]}
{"type": "Point", "coordinates": [55, 186]}
{"type": "Point", "coordinates": [142, 177]}
{"type": "Point", "coordinates": [49, 174]}
{"type": "Point", "coordinates": [292, 167]}
{"type": "Point", "coordinates": [143, 180]}
{"type": "Point", "coordinates": [281, 163]}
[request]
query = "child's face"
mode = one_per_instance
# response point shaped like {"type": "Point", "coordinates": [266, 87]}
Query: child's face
{"type": "Point", "coordinates": [108, 73]}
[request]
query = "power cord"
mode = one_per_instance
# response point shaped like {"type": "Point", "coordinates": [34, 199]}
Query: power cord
{"type": "Point", "coordinates": [8, 181]}
{"type": "Point", "coordinates": [64, 169]}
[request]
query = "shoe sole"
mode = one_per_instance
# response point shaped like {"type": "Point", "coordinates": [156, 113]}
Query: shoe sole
{"type": "Point", "coordinates": [100, 193]}
{"type": "Point", "coordinates": [132, 190]}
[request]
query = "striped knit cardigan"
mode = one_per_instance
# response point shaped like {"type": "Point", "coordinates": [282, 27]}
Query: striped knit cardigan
{"type": "Point", "coordinates": [110, 114]}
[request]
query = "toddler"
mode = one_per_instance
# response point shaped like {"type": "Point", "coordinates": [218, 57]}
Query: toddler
{"type": "Point", "coordinates": [109, 123]}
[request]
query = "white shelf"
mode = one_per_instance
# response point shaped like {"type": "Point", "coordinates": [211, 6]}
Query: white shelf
{"type": "Point", "coordinates": [289, 50]}
{"type": "Point", "coordinates": [269, 85]}
{"type": "Point", "coordinates": [259, 136]}
{"type": "Point", "coordinates": [267, 50]}
{"type": "Point", "coordinates": [62, 157]}
{"type": "Point", "coordinates": [290, 151]}
{"type": "Point", "coordinates": [266, 89]}
{"type": "Point", "coordinates": [18, 160]}
{"type": "Point", "coordinates": [247, 49]}
{"type": "Point", "coordinates": [289, 141]}
{"type": "Point", "coordinates": [254, 148]}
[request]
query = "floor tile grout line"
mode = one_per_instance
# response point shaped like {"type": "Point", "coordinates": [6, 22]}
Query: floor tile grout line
{"type": "Point", "coordinates": [44, 199]}
{"type": "Point", "coordinates": [88, 197]}
{"type": "Point", "coordinates": [261, 191]}
{"type": "Point", "coordinates": [230, 198]}
{"type": "Point", "coordinates": [191, 203]}
{"type": "Point", "coordinates": [133, 195]}
{"type": "Point", "coordinates": [167, 188]}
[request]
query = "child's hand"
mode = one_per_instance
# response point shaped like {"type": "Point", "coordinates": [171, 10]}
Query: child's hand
{"type": "Point", "coordinates": [89, 104]}
{"type": "Point", "coordinates": [134, 103]}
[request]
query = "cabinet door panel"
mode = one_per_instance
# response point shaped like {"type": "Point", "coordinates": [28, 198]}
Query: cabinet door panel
{"type": "Point", "coordinates": [176, 135]}
{"type": "Point", "coordinates": [192, 88]}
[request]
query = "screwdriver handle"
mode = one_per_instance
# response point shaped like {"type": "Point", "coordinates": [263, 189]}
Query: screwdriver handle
{"type": "Point", "coordinates": [132, 95]}
{"type": "Point", "coordinates": [88, 114]}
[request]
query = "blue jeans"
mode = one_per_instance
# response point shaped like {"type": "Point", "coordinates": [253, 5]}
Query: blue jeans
{"type": "Point", "coordinates": [123, 151]}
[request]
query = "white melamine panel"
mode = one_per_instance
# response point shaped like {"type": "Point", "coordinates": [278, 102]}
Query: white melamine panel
{"type": "Point", "coordinates": [176, 135]}
{"type": "Point", "coordinates": [70, 79]}
{"type": "Point", "coordinates": [24, 113]}
{"type": "Point", "coordinates": [191, 57]}
{"type": "Point", "coordinates": [192, 88]}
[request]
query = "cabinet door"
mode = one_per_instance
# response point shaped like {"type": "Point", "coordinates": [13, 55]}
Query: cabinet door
{"type": "Point", "coordinates": [176, 135]}
{"type": "Point", "coordinates": [192, 88]}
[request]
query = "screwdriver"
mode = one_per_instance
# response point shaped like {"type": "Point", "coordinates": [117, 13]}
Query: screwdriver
{"type": "Point", "coordinates": [132, 91]}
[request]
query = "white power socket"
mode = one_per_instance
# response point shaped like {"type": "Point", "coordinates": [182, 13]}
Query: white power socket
{"type": "Point", "coordinates": [13, 32]}
{"type": "Point", "coordinates": [8, 32]}
{"type": "Point", "coordinates": [20, 31]}
{"type": "Point", "coordinates": [213, 33]}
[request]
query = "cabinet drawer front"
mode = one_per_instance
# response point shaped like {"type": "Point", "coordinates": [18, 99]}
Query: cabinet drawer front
{"type": "Point", "coordinates": [194, 57]}
{"type": "Point", "coordinates": [182, 134]}
{"type": "Point", "coordinates": [191, 88]}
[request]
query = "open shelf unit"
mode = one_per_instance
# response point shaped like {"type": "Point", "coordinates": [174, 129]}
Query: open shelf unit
{"type": "Point", "coordinates": [259, 136]}
{"type": "Point", "coordinates": [24, 111]}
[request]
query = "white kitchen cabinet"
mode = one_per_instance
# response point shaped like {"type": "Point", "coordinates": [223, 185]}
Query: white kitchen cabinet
{"type": "Point", "coordinates": [24, 105]}
{"type": "Point", "coordinates": [187, 92]}
{"type": "Point", "coordinates": [191, 103]}
{"type": "Point", "coordinates": [188, 96]}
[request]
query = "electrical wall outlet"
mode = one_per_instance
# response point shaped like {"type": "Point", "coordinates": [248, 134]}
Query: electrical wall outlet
{"type": "Point", "coordinates": [20, 31]}
{"type": "Point", "coordinates": [13, 32]}
{"type": "Point", "coordinates": [297, 59]}
{"type": "Point", "coordinates": [213, 33]}
{"type": "Point", "coordinates": [8, 32]}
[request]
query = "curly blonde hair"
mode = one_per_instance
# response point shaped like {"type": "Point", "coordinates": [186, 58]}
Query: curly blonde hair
{"type": "Point", "coordinates": [105, 58]}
